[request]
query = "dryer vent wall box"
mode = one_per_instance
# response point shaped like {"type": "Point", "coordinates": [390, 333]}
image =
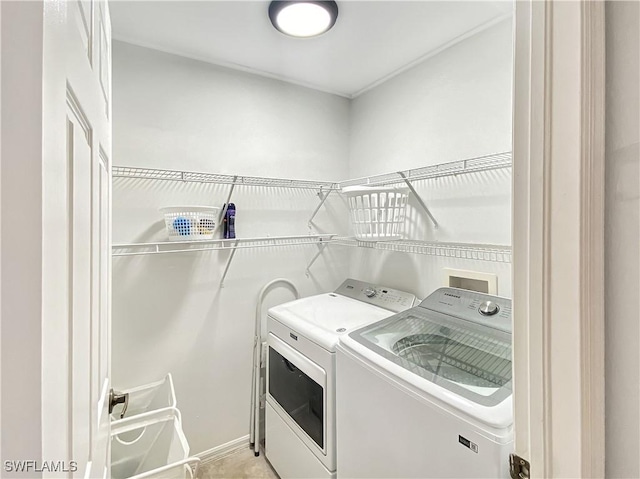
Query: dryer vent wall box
{"type": "Point", "coordinates": [471, 280]}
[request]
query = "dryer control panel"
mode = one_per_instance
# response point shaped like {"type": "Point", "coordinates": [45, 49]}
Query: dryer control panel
{"type": "Point", "coordinates": [481, 308]}
{"type": "Point", "coordinates": [381, 296]}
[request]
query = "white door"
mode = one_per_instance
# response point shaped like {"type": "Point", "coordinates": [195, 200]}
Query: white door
{"type": "Point", "coordinates": [88, 156]}
{"type": "Point", "coordinates": [77, 71]}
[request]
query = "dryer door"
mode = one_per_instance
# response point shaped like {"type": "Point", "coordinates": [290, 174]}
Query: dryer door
{"type": "Point", "coordinates": [298, 386]}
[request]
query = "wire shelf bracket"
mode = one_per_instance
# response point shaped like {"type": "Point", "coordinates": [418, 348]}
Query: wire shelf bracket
{"type": "Point", "coordinates": [229, 260]}
{"type": "Point", "coordinates": [225, 207]}
{"type": "Point", "coordinates": [418, 199]}
{"type": "Point", "coordinates": [321, 247]}
{"type": "Point", "coordinates": [323, 197]}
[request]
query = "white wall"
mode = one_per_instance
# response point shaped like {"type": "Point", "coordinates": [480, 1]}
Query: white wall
{"type": "Point", "coordinates": [622, 235]}
{"type": "Point", "coordinates": [169, 314]}
{"type": "Point", "coordinates": [455, 105]}
{"type": "Point", "coordinates": [175, 111]}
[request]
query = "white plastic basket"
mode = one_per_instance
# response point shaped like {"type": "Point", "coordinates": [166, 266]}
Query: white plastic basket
{"type": "Point", "coordinates": [377, 212]}
{"type": "Point", "coordinates": [151, 445]}
{"type": "Point", "coordinates": [149, 397]}
{"type": "Point", "coordinates": [188, 223]}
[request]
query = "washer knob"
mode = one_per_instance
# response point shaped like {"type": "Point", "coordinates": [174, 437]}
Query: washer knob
{"type": "Point", "coordinates": [488, 308]}
{"type": "Point", "coordinates": [369, 292]}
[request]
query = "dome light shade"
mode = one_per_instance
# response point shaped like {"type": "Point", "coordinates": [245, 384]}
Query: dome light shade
{"type": "Point", "coordinates": [303, 18]}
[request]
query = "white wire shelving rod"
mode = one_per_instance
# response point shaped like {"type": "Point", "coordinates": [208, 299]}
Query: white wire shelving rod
{"type": "Point", "coordinates": [198, 177]}
{"type": "Point", "coordinates": [170, 247]}
{"type": "Point", "coordinates": [228, 264]}
{"type": "Point", "coordinates": [321, 247]}
{"type": "Point", "coordinates": [419, 199]}
{"type": "Point", "coordinates": [223, 212]}
{"type": "Point", "coordinates": [470, 165]}
{"type": "Point", "coordinates": [323, 197]}
{"type": "Point", "coordinates": [482, 252]}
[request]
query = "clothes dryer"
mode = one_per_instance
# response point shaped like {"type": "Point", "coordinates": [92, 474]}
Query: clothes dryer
{"type": "Point", "coordinates": [300, 439]}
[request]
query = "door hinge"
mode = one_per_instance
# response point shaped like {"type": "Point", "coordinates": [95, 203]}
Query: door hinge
{"type": "Point", "coordinates": [518, 467]}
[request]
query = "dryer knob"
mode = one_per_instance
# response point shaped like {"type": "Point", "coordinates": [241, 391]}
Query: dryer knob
{"type": "Point", "coordinates": [488, 308]}
{"type": "Point", "coordinates": [369, 292]}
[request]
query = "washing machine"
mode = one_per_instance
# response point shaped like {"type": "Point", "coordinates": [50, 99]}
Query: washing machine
{"type": "Point", "coordinates": [426, 393]}
{"type": "Point", "coordinates": [300, 439]}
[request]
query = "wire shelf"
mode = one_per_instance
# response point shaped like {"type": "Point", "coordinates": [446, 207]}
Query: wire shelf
{"type": "Point", "coordinates": [471, 165]}
{"type": "Point", "coordinates": [167, 247]}
{"type": "Point", "coordinates": [495, 253]}
{"type": "Point", "coordinates": [196, 177]}
{"type": "Point", "coordinates": [481, 252]}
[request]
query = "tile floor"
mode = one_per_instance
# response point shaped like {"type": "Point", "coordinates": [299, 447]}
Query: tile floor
{"type": "Point", "coordinates": [238, 465]}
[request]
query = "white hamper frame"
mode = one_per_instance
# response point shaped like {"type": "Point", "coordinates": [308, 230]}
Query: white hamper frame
{"type": "Point", "coordinates": [184, 466]}
{"type": "Point", "coordinates": [146, 398]}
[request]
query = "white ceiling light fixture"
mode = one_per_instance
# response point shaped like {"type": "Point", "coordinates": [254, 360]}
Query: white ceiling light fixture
{"type": "Point", "coordinates": [303, 18]}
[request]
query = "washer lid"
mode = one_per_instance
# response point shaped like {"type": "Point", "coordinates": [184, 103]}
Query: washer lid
{"type": "Point", "coordinates": [469, 359]}
{"type": "Point", "coordinates": [325, 317]}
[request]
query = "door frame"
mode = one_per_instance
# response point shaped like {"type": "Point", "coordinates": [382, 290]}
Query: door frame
{"type": "Point", "coordinates": [21, 242]}
{"type": "Point", "coordinates": [558, 237]}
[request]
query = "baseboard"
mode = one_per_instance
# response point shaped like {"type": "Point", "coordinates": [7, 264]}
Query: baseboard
{"type": "Point", "coordinates": [224, 449]}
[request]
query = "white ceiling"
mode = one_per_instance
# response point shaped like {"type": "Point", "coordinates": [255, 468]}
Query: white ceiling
{"type": "Point", "coordinates": [371, 41]}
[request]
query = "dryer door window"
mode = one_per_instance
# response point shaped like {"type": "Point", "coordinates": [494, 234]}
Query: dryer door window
{"type": "Point", "coordinates": [299, 395]}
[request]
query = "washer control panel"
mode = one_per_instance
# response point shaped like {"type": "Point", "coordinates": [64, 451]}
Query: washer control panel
{"type": "Point", "coordinates": [480, 308]}
{"type": "Point", "coordinates": [381, 296]}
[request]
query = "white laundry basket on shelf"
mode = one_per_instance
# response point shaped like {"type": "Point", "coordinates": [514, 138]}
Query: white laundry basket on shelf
{"type": "Point", "coordinates": [189, 223]}
{"type": "Point", "coordinates": [149, 397]}
{"type": "Point", "coordinates": [377, 212]}
{"type": "Point", "coordinates": [151, 445]}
